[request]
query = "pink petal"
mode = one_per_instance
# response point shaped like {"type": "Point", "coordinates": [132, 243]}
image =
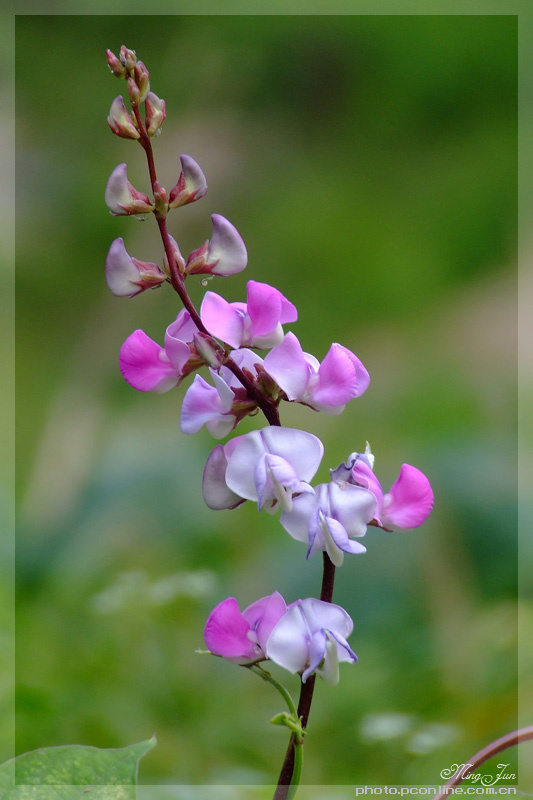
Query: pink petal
{"type": "Point", "coordinates": [201, 405]}
{"type": "Point", "coordinates": [195, 182]}
{"type": "Point", "coordinates": [409, 501]}
{"type": "Point", "coordinates": [144, 365]}
{"type": "Point", "coordinates": [286, 363]}
{"type": "Point", "coordinates": [363, 378]}
{"type": "Point", "coordinates": [337, 379]}
{"type": "Point", "coordinates": [222, 319]}
{"type": "Point", "coordinates": [264, 615]}
{"type": "Point", "coordinates": [226, 248]}
{"type": "Point", "coordinates": [264, 307]}
{"type": "Point", "coordinates": [225, 633]}
{"type": "Point", "coordinates": [121, 274]}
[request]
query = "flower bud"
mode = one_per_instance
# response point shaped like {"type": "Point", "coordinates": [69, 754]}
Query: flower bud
{"type": "Point", "coordinates": [224, 255]}
{"type": "Point", "coordinates": [155, 113]}
{"type": "Point", "coordinates": [160, 198]}
{"type": "Point", "coordinates": [180, 261]}
{"type": "Point", "coordinates": [127, 276]}
{"type": "Point", "coordinates": [211, 352]}
{"type": "Point", "coordinates": [128, 58]}
{"type": "Point", "coordinates": [115, 65]}
{"type": "Point", "coordinates": [134, 92]}
{"type": "Point", "coordinates": [120, 121]}
{"type": "Point", "coordinates": [122, 198]}
{"type": "Point", "coordinates": [191, 183]}
{"type": "Point", "coordinates": [142, 79]}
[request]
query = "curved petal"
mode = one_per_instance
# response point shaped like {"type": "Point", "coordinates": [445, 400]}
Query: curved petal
{"type": "Point", "coordinates": [302, 450]}
{"type": "Point", "coordinates": [363, 378]}
{"type": "Point", "coordinates": [225, 633]}
{"type": "Point", "coordinates": [222, 319]}
{"type": "Point", "coordinates": [362, 475]}
{"type": "Point", "coordinates": [288, 366]}
{"type": "Point", "coordinates": [288, 644]}
{"type": "Point", "coordinates": [409, 501]}
{"type": "Point", "coordinates": [226, 248]}
{"type": "Point", "coordinates": [144, 365]}
{"type": "Point", "coordinates": [337, 379]}
{"type": "Point", "coordinates": [117, 192]}
{"type": "Point", "coordinates": [330, 668]}
{"type": "Point", "coordinates": [215, 490]}
{"type": "Point", "coordinates": [353, 506]}
{"type": "Point", "coordinates": [297, 521]}
{"type": "Point", "coordinates": [201, 404]}
{"type": "Point", "coordinates": [194, 178]}
{"type": "Point", "coordinates": [264, 307]}
{"type": "Point", "coordinates": [326, 616]}
{"type": "Point", "coordinates": [264, 615]}
{"type": "Point", "coordinates": [121, 274]}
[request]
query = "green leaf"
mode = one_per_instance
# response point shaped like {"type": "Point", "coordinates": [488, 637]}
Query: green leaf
{"type": "Point", "coordinates": [76, 773]}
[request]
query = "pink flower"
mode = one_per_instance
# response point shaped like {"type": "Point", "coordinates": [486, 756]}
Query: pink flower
{"type": "Point", "coordinates": [241, 637]}
{"type": "Point", "coordinates": [256, 323]}
{"type": "Point", "coordinates": [325, 387]}
{"type": "Point", "coordinates": [406, 505]}
{"type": "Point", "coordinates": [148, 367]}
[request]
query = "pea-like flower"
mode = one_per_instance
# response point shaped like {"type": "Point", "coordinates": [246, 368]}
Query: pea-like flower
{"type": "Point", "coordinates": [325, 386]}
{"type": "Point", "coordinates": [269, 466]}
{"type": "Point", "coordinates": [148, 367]}
{"type": "Point", "coordinates": [331, 518]}
{"type": "Point", "coordinates": [120, 121]}
{"type": "Point", "coordinates": [256, 323]}
{"type": "Point", "coordinates": [406, 505]}
{"type": "Point", "coordinates": [241, 637]}
{"type": "Point", "coordinates": [311, 637]}
{"type": "Point", "coordinates": [222, 406]}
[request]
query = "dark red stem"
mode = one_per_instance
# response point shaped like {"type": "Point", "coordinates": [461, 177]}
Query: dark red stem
{"type": "Point", "coordinates": [492, 749]}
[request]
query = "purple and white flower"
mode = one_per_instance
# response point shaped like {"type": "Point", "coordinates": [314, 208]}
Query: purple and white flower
{"type": "Point", "coordinates": [242, 637]}
{"type": "Point", "coordinates": [406, 505]}
{"type": "Point", "coordinates": [256, 323]}
{"type": "Point", "coordinates": [268, 466]}
{"type": "Point", "coordinates": [219, 407]}
{"type": "Point", "coordinates": [148, 367]}
{"type": "Point", "coordinates": [325, 386]}
{"type": "Point", "coordinates": [311, 637]}
{"type": "Point", "coordinates": [331, 518]}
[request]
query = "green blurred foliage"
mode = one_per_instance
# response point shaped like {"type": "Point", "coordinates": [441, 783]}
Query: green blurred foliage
{"type": "Point", "coordinates": [370, 165]}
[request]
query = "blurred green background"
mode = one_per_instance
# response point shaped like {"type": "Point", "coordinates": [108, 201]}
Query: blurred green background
{"type": "Point", "coordinates": [370, 165]}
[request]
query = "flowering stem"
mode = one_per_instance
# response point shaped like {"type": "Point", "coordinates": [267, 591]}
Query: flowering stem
{"type": "Point", "coordinates": [492, 749]}
{"type": "Point", "coordinates": [178, 283]}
